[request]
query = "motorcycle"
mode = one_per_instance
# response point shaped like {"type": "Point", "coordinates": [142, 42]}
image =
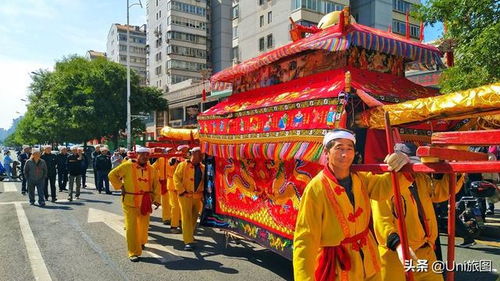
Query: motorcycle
{"type": "Point", "coordinates": [467, 209]}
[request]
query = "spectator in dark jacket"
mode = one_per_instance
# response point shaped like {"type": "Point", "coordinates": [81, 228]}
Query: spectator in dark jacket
{"type": "Point", "coordinates": [96, 153]}
{"type": "Point", "coordinates": [35, 172]}
{"type": "Point", "coordinates": [103, 166]}
{"type": "Point", "coordinates": [23, 157]}
{"type": "Point", "coordinates": [50, 161]}
{"type": "Point", "coordinates": [62, 168]}
{"type": "Point", "coordinates": [85, 165]}
{"type": "Point", "coordinates": [75, 172]}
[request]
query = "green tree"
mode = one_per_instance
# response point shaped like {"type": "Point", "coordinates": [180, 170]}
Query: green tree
{"type": "Point", "coordinates": [475, 27]}
{"type": "Point", "coordinates": [82, 100]}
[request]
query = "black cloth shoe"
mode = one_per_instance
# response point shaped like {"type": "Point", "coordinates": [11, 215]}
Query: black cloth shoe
{"type": "Point", "coordinates": [188, 247]}
{"type": "Point", "coordinates": [467, 244]}
{"type": "Point", "coordinates": [53, 200]}
{"type": "Point", "coordinates": [143, 246]}
{"type": "Point", "coordinates": [134, 258]}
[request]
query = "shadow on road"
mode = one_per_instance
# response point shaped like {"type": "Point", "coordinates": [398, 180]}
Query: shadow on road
{"type": "Point", "coordinates": [244, 251]}
{"type": "Point", "coordinates": [54, 207]}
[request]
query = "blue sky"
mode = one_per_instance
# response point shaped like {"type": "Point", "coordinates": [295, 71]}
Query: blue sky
{"type": "Point", "coordinates": [36, 33]}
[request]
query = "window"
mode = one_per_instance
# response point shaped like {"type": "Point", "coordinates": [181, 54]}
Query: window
{"type": "Point", "coordinates": [179, 78]}
{"type": "Point", "coordinates": [236, 11]}
{"type": "Point", "coordinates": [186, 51]}
{"type": "Point", "coordinates": [261, 21]}
{"type": "Point", "coordinates": [181, 36]}
{"type": "Point", "coordinates": [185, 65]}
{"type": "Point", "coordinates": [158, 56]}
{"type": "Point", "coordinates": [235, 32]}
{"type": "Point", "coordinates": [195, 24]}
{"type": "Point", "coordinates": [187, 8]}
{"type": "Point", "coordinates": [401, 6]}
{"type": "Point", "coordinates": [123, 58]}
{"type": "Point", "coordinates": [156, 3]}
{"type": "Point", "coordinates": [269, 41]}
{"type": "Point", "coordinates": [236, 53]}
{"type": "Point", "coordinates": [261, 2]}
{"type": "Point", "coordinates": [261, 44]}
{"type": "Point", "coordinates": [320, 6]}
{"type": "Point", "coordinates": [122, 37]}
{"type": "Point", "coordinates": [400, 28]}
{"type": "Point", "coordinates": [176, 113]}
{"type": "Point", "coordinates": [123, 48]}
{"type": "Point", "coordinates": [269, 17]}
{"type": "Point", "coordinates": [158, 70]}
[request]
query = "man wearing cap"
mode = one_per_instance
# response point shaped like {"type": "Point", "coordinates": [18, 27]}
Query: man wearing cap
{"type": "Point", "coordinates": [103, 166]}
{"type": "Point", "coordinates": [23, 157]}
{"type": "Point", "coordinates": [51, 162]}
{"type": "Point", "coordinates": [420, 220]}
{"type": "Point", "coordinates": [332, 240]}
{"type": "Point", "coordinates": [189, 184]}
{"type": "Point", "coordinates": [62, 168]}
{"type": "Point", "coordinates": [161, 165]}
{"type": "Point", "coordinates": [140, 187]}
{"type": "Point", "coordinates": [35, 171]}
{"type": "Point", "coordinates": [75, 172]}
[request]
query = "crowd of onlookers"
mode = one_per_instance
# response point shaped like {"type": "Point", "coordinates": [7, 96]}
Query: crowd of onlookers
{"type": "Point", "coordinates": [40, 167]}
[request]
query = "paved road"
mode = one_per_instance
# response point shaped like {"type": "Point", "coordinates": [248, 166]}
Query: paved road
{"type": "Point", "coordinates": [83, 240]}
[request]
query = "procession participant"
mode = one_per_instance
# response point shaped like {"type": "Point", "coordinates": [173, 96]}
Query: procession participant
{"type": "Point", "coordinates": [175, 207]}
{"type": "Point", "coordinates": [62, 168]}
{"type": "Point", "coordinates": [189, 184]}
{"type": "Point", "coordinates": [51, 162]}
{"type": "Point", "coordinates": [419, 215]}
{"type": "Point", "coordinates": [35, 171]}
{"type": "Point", "coordinates": [332, 240]}
{"type": "Point", "coordinates": [140, 187]}
{"type": "Point", "coordinates": [161, 165]}
{"type": "Point", "coordinates": [183, 149]}
{"type": "Point", "coordinates": [23, 157]}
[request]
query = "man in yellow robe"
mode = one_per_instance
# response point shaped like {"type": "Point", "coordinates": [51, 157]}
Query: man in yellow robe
{"type": "Point", "coordinates": [420, 221]}
{"type": "Point", "coordinates": [332, 240]}
{"type": "Point", "coordinates": [161, 165]}
{"type": "Point", "coordinates": [140, 187]}
{"type": "Point", "coordinates": [189, 183]}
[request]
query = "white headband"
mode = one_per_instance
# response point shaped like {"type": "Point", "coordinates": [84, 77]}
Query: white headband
{"type": "Point", "coordinates": [338, 135]}
{"type": "Point", "coordinates": [142, 150]}
{"type": "Point", "coordinates": [197, 148]}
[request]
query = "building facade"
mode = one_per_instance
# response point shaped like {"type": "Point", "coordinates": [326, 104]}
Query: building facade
{"type": "Point", "coordinates": [188, 40]}
{"type": "Point", "coordinates": [116, 48]}
{"type": "Point", "coordinates": [262, 25]}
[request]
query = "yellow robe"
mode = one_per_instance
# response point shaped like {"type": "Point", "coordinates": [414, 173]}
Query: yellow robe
{"type": "Point", "coordinates": [191, 201]}
{"type": "Point", "coordinates": [385, 223]}
{"type": "Point", "coordinates": [320, 223]}
{"type": "Point", "coordinates": [146, 180]}
{"type": "Point", "coordinates": [161, 166]}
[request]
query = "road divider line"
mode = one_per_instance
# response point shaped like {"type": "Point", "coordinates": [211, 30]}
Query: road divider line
{"type": "Point", "coordinates": [38, 266]}
{"type": "Point", "coordinates": [9, 187]}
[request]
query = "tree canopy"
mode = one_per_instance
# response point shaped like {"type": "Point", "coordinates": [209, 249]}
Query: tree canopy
{"type": "Point", "coordinates": [82, 100]}
{"type": "Point", "coordinates": [475, 27]}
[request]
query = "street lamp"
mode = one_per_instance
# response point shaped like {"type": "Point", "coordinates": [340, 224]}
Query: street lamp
{"type": "Point", "coordinates": [129, 127]}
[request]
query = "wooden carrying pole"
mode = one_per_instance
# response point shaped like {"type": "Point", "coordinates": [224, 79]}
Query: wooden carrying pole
{"type": "Point", "coordinates": [450, 274]}
{"type": "Point", "coordinates": [397, 195]}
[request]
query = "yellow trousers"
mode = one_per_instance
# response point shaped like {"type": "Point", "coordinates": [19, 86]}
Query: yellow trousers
{"type": "Point", "coordinates": [190, 210]}
{"type": "Point", "coordinates": [136, 226]}
{"type": "Point", "coordinates": [165, 207]}
{"type": "Point", "coordinates": [392, 269]}
{"type": "Point", "coordinates": [175, 209]}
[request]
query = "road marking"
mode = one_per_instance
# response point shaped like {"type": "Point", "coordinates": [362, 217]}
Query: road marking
{"type": "Point", "coordinates": [488, 243]}
{"type": "Point", "coordinates": [35, 256]}
{"type": "Point", "coordinates": [13, 202]}
{"type": "Point", "coordinates": [9, 187]}
{"type": "Point", "coordinates": [115, 222]}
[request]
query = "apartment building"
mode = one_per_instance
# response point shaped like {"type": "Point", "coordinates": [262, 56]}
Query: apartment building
{"type": "Point", "coordinates": [116, 47]}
